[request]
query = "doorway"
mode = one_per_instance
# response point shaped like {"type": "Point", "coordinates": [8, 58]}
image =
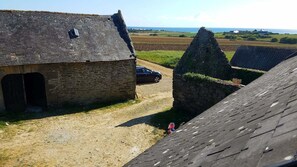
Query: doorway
{"type": "Point", "coordinates": [21, 91]}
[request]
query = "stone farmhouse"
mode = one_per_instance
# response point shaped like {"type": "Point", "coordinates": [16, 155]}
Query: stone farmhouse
{"type": "Point", "coordinates": [51, 59]}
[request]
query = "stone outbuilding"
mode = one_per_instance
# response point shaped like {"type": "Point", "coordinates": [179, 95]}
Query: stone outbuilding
{"type": "Point", "coordinates": [259, 57]}
{"type": "Point", "coordinates": [203, 56]}
{"type": "Point", "coordinates": [51, 59]}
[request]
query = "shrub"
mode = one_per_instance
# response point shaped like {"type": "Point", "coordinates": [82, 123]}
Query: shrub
{"type": "Point", "coordinates": [153, 34]}
{"type": "Point", "coordinates": [251, 38]}
{"type": "Point", "coordinates": [231, 37]}
{"type": "Point", "coordinates": [190, 76]}
{"type": "Point", "coordinates": [182, 35]}
{"type": "Point", "coordinates": [274, 40]}
{"type": "Point", "coordinates": [288, 40]}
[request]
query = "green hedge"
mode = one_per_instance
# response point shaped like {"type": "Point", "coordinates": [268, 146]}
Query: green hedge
{"type": "Point", "coordinates": [288, 40]}
{"type": "Point", "coordinates": [246, 75]}
{"type": "Point", "coordinates": [190, 76]}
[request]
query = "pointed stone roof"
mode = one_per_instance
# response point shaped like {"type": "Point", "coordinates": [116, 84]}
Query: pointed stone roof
{"type": "Point", "coordinates": [204, 56]}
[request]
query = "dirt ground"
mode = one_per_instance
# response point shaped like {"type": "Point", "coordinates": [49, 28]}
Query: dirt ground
{"type": "Point", "coordinates": [102, 137]}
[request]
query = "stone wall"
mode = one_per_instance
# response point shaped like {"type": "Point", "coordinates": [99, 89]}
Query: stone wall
{"type": "Point", "coordinates": [81, 83]}
{"type": "Point", "coordinates": [197, 95]}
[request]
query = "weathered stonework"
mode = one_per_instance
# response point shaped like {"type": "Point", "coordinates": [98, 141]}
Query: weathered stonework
{"type": "Point", "coordinates": [43, 64]}
{"type": "Point", "coordinates": [81, 83]}
{"type": "Point", "coordinates": [197, 96]}
{"type": "Point", "coordinates": [204, 56]}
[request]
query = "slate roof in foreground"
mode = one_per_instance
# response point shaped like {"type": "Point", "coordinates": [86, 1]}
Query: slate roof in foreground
{"type": "Point", "coordinates": [255, 126]}
{"type": "Point", "coordinates": [33, 37]}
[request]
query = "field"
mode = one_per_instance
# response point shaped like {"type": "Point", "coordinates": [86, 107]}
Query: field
{"type": "Point", "coordinates": [147, 43]}
{"type": "Point", "coordinates": [166, 48]}
{"type": "Point", "coordinates": [168, 58]}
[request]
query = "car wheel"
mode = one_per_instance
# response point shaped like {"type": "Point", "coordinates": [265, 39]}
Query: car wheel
{"type": "Point", "coordinates": [157, 79]}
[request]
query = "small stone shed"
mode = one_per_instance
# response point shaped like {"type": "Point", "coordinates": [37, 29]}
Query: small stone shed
{"type": "Point", "coordinates": [51, 59]}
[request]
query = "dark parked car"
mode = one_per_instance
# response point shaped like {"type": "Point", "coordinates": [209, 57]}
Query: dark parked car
{"type": "Point", "coordinates": [146, 75]}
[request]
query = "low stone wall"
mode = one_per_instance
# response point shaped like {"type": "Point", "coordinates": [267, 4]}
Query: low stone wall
{"type": "Point", "coordinates": [197, 94]}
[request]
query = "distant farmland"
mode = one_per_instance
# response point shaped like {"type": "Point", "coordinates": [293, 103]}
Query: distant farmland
{"type": "Point", "coordinates": [167, 50]}
{"type": "Point", "coordinates": [148, 43]}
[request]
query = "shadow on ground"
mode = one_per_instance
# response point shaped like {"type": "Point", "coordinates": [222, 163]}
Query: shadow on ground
{"type": "Point", "coordinates": [161, 120]}
{"type": "Point", "coordinates": [63, 110]}
{"type": "Point", "coordinates": [145, 83]}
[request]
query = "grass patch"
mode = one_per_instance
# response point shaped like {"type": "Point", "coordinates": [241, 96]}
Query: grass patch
{"type": "Point", "coordinates": [168, 58]}
{"type": "Point", "coordinates": [229, 55]}
{"type": "Point", "coordinates": [2, 124]}
{"type": "Point", "coordinates": [163, 33]}
{"type": "Point", "coordinates": [163, 57]}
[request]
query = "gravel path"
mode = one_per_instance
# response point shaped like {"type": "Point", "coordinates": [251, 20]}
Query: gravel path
{"type": "Point", "coordinates": [97, 138]}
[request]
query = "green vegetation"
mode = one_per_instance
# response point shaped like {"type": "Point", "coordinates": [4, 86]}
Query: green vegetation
{"type": "Point", "coordinates": [279, 36]}
{"type": "Point", "coordinates": [229, 55]}
{"type": "Point", "coordinates": [162, 33]}
{"type": "Point", "coordinates": [163, 57]}
{"type": "Point", "coordinates": [182, 35]}
{"type": "Point", "coordinates": [251, 38]}
{"type": "Point", "coordinates": [288, 40]}
{"type": "Point", "coordinates": [2, 124]}
{"type": "Point", "coordinates": [168, 58]}
{"type": "Point", "coordinates": [219, 35]}
{"type": "Point", "coordinates": [190, 76]}
{"type": "Point", "coordinates": [274, 40]}
{"type": "Point", "coordinates": [231, 37]}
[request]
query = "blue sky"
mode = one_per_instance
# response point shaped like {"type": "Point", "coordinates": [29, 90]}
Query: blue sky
{"type": "Point", "coordinates": [177, 13]}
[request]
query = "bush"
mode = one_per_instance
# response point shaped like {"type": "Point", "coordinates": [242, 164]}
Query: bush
{"type": "Point", "coordinates": [263, 36]}
{"type": "Point", "coordinates": [153, 34]}
{"type": "Point", "coordinates": [251, 38]}
{"type": "Point", "coordinates": [190, 76]}
{"type": "Point", "coordinates": [288, 40]}
{"type": "Point", "coordinates": [274, 40]}
{"type": "Point", "coordinates": [182, 35]}
{"type": "Point", "coordinates": [231, 37]}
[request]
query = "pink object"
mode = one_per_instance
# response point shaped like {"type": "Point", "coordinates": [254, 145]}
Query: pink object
{"type": "Point", "coordinates": [171, 127]}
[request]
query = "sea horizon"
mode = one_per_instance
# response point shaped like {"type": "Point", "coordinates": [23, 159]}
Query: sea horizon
{"type": "Point", "coordinates": [214, 29]}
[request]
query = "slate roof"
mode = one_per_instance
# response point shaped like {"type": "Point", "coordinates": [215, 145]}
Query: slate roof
{"type": "Point", "coordinates": [260, 58]}
{"type": "Point", "coordinates": [255, 126]}
{"type": "Point", "coordinates": [32, 37]}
